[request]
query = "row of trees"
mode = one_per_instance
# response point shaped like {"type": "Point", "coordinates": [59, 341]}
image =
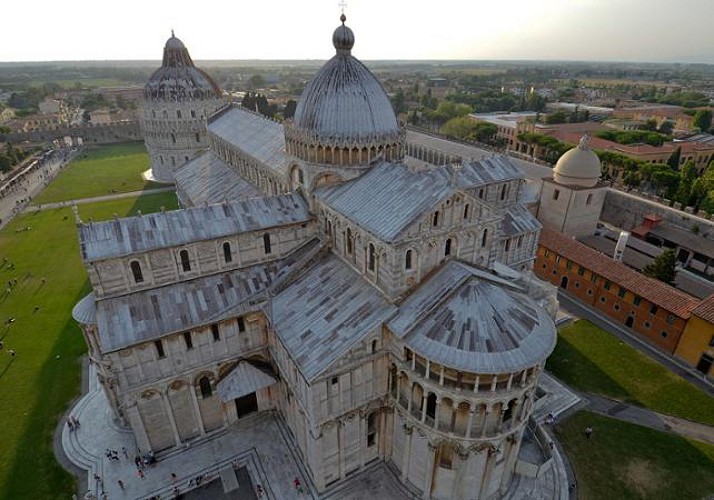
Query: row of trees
{"type": "Point", "coordinates": [11, 157]}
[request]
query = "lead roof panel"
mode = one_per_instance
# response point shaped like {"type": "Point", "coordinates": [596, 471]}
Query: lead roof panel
{"type": "Point", "coordinates": [324, 312]}
{"type": "Point", "coordinates": [207, 179]}
{"type": "Point", "coordinates": [121, 237]}
{"type": "Point", "coordinates": [254, 135]}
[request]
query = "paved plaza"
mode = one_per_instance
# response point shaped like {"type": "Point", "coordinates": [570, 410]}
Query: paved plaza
{"type": "Point", "coordinates": [259, 450]}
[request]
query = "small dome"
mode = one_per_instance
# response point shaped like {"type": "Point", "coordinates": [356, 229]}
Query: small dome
{"type": "Point", "coordinates": [579, 166]}
{"type": "Point", "coordinates": [178, 78]}
{"type": "Point", "coordinates": [343, 38]}
{"type": "Point", "coordinates": [344, 104]}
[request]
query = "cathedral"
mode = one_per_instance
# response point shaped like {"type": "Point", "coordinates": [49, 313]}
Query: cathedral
{"type": "Point", "coordinates": [376, 295]}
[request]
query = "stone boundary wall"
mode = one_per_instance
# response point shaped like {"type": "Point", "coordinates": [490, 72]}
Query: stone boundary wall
{"type": "Point", "coordinates": [91, 134]}
{"type": "Point", "coordinates": [627, 210]}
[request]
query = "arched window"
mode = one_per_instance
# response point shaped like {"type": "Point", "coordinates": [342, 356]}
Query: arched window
{"type": "Point", "coordinates": [185, 262]}
{"type": "Point", "coordinates": [136, 271]}
{"type": "Point", "coordinates": [446, 456]}
{"type": "Point", "coordinates": [408, 260]}
{"type": "Point", "coordinates": [503, 191]}
{"type": "Point", "coordinates": [301, 177]}
{"type": "Point", "coordinates": [372, 427]}
{"type": "Point", "coordinates": [178, 114]}
{"type": "Point", "coordinates": [173, 137]}
{"type": "Point", "coordinates": [508, 244]}
{"type": "Point", "coordinates": [484, 238]}
{"type": "Point", "coordinates": [153, 114]}
{"type": "Point", "coordinates": [371, 258]}
{"type": "Point", "coordinates": [227, 256]}
{"type": "Point", "coordinates": [205, 385]}
{"type": "Point", "coordinates": [435, 220]}
{"type": "Point", "coordinates": [162, 159]}
{"type": "Point", "coordinates": [447, 248]}
{"type": "Point", "coordinates": [466, 211]}
{"type": "Point", "coordinates": [480, 193]}
{"type": "Point", "coordinates": [198, 137]}
{"type": "Point", "coordinates": [193, 113]}
{"type": "Point", "coordinates": [266, 243]}
{"type": "Point", "coordinates": [348, 243]}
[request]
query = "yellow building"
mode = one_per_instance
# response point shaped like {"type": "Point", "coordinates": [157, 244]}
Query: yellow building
{"type": "Point", "coordinates": [696, 346]}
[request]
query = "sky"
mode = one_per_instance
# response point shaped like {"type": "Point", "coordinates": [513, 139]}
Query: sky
{"type": "Point", "coordinates": [601, 30]}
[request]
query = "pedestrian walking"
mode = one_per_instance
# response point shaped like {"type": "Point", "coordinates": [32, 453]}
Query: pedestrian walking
{"type": "Point", "coordinates": [121, 484]}
{"type": "Point", "coordinates": [123, 450]}
{"type": "Point", "coordinates": [174, 477]}
{"type": "Point", "coordinates": [140, 473]}
{"type": "Point", "coordinates": [588, 432]}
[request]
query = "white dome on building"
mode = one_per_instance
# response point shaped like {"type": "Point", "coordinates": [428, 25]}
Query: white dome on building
{"type": "Point", "coordinates": [345, 107]}
{"type": "Point", "coordinates": [579, 166]}
{"type": "Point", "coordinates": [178, 98]}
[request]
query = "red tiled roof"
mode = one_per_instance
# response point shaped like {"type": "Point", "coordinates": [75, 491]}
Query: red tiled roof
{"type": "Point", "coordinates": [705, 309]}
{"type": "Point", "coordinates": [655, 291]}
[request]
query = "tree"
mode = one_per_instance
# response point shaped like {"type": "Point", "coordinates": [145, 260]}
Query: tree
{"type": "Point", "coordinates": [703, 119]}
{"type": "Point", "coordinates": [256, 82]}
{"type": "Point", "coordinates": [289, 110]}
{"type": "Point", "coordinates": [662, 267]}
{"type": "Point", "coordinates": [667, 127]}
{"type": "Point", "coordinates": [673, 160]}
{"type": "Point", "coordinates": [398, 102]}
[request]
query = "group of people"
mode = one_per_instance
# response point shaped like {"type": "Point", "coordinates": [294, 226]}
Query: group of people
{"type": "Point", "coordinates": [73, 423]}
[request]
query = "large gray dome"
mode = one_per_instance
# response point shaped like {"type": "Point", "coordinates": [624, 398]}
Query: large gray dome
{"type": "Point", "coordinates": [178, 79]}
{"type": "Point", "coordinates": [345, 104]}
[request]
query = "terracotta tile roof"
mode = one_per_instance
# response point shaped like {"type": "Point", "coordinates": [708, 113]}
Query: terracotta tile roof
{"type": "Point", "coordinates": [655, 291]}
{"type": "Point", "coordinates": [705, 309]}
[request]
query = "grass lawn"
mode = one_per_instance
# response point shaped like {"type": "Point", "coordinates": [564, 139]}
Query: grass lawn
{"type": "Point", "coordinates": [623, 461]}
{"type": "Point", "coordinates": [592, 360]}
{"type": "Point", "coordinates": [98, 171]}
{"type": "Point", "coordinates": [37, 385]}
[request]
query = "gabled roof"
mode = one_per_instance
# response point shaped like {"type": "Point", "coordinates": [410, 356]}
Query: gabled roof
{"type": "Point", "coordinates": [705, 309]}
{"type": "Point", "coordinates": [475, 173]}
{"type": "Point", "coordinates": [655, 291]}
{"type": "Point", "coordinates": [468, 319]}
{"type": "Point", "coordinates": [243, 379]}
{"type": "Point", "coordinates": [388, 198]}
{"type": "Point", "coordinates": [254, 134]}
{"type": "Point", "coordinates": [120, 237]}
{"type": "Point", "coordinates": [518, 220]}
{"type": "Point", "coordinates": [151, 314]}
{"type": "Point", "coordinates": [207, 179]}
{"type": "Point", "coordinates": [324, 312]}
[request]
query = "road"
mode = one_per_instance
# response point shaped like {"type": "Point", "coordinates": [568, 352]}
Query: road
{"type": "Point", "coordinates": [16, 199]}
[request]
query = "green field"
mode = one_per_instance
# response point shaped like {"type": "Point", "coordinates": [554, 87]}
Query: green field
{"type": "Point", "coordinates": [100, 171]}
{"type": "Point", "coordinates": [592, 360]}
{"type": "Point", "coordinates": [37, 385]}
{"type": "Point", "coordinates": [626, 461]}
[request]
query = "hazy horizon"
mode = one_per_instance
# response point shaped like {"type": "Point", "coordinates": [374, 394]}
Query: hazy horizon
{"type": "Point", "coordinates": [627, 31]}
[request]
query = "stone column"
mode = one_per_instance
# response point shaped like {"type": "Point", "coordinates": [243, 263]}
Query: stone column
{"type": "Point", "coordinates": [341, 447]}
{"type": "Point", "coordinates": [437, 413]}
{"type": "Point", "coordinates": [486, 479]}
{"type": "Point", "coordinates": [429, 471]}
{"type": "Point", "coordinates": [172, 420]}
{"type": "Point", "coordinates": [471, 421]}
{"type": "Point", "coordinates": [197, 410]}
{"type": "Point", "coordinates": [407, 450]}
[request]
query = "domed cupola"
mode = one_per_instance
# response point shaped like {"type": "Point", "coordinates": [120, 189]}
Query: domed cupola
{"type": "Point", "coordinates": [178, 78]}
{"type": "Point", "coordinates": [178, 98]}
{"type": "Point", "coordinates": [344, 116]}
{"type": "Point", "coordinates": [579, 166]}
